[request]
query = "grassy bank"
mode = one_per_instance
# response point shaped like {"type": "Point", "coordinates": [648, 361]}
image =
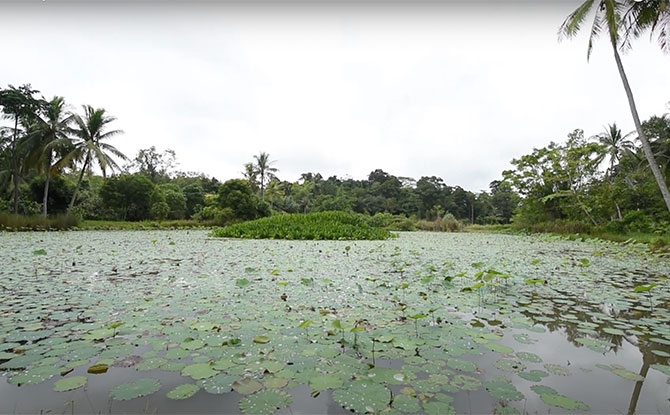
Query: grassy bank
{"type": "Point", "coordinates": [17, 223]}
{"type": "Point", "coordinates": [144, 225]}
{"type": "Point", "coordinates": [656, 241]}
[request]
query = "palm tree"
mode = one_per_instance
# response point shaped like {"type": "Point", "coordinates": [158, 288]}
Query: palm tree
{"type": "Point", "coordinates": [652, 15]}
{"type": "Point", "coordinates": [615, 144]}
{"type": "Point", "coordinates": [88, 144]}
{"type": "Point", "coordinates": [249, 174]}
{"type": "Point", "coordinates": [264, 170]}
{"type": "Point", "coordinates": [608, 16]}
{"type": "Point", "coordinates": [49, 137]}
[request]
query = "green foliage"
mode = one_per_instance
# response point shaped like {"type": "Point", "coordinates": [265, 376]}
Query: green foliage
{"type": "Point", "coordinates": [129, 196]}
{"type": "Point", "coordinates": [237, 195]}
{"type": "Point", "coordinates": [37, 223]}
{"type": "Point", "coordinates": [320, 225]}
{"type": "Point", "coordinates": [447, 223]}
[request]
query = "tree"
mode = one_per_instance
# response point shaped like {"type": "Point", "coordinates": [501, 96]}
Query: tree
{"type": "Point", "coordinates": [608, 16]}
{"type": "Point", "coordinates": [130, 196]}
{"type": "Point", "coordinates": [615, 145]}
{"type": "Point", "coordinates": [652, 15]}
{"type": "Point", "coordinates": [264, 170]}
{"type": "Point", "coordinates": [49, 136]}
{"type": "Point", "coordinates": [237, 195]}
{"type": "Point", "coordinates": [88, 145]}
{"type": "Point", "coordinates": [18, 104]}
{"type": "Point", "coordinates": [153, 164]}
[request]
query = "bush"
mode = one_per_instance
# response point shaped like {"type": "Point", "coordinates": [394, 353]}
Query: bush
{"type": "Point", "coordinates": [447, 223]}
{"type": "Point", "coordinates": [636, 221]}
{"type": "Point", "coordinates": [381, 220]}
{"type": "Point", "coordinates": [318, 225]}
{"type": "Point", "coordinates": [37, 223]}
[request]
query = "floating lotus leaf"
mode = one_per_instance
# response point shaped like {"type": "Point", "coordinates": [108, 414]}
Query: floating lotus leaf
{"type": "Point", "coordinates": [138, 388]}
{"type": "Point", "coordinates": [275, 382]}
{"type": "Point", "coordinates": [34, 375]}
{"type": "Point", "coordinates": [199, 371]}
{"type": "Point", "coordinates": [533, 375]}
{"type": "Point", "coordinates": [529, 357]}
{"type": "Point", "coordinates": [616, 332]}
{"type": "Point", "coordinates": [390, 376]}
{"type": "Point", "coordinates": [70, 383]}
{"type": "Point", "coordinates": [266, 402]}
{"type": "Point", "coordinates": [523, 338]}
{"type": "Point", "coordinates": [323, 382]}
{"type": "Point", "coordinates": [218, 384]}
{"type": "Point", "coordinates": [7, 356]}
{"type": "Point", "coordinates": [499, 348]}
{"type": "Point", "coordinates": [464, 382]}
{"type": "Point", "coordinates": [21, 361]}
{"type": "Point", "coordinates": [662, 368]}
{"type": "Point", "coordinates": [564, 402]}
{"type": "Point", "coordinates": [463, 365]}
{"type": "Point", "coordinates": [626, 374]}
{"type": "Point", "coordinates": [505, 410]}
{"type": "Point", "coordinates": [406, 403]}
{"type": "Point", "coordinates": [557, 369]}
{"type": "Point", "coordinates": [510, 365]}
{"type": "Point", "coordinates": [438, 408]}
{"type": "Point", "coordinates": [503, 390]}
{"type": "Point", "coordinates": [183, 391]}
{"type": "Point", "coordinates": [363, 396]}
{"type": "Point", "coordinates": [246, 386]}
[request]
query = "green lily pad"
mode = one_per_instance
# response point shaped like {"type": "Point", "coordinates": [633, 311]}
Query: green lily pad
{"type": "Point", "coordinates": [662, 368]}
{"type": "Point", "coordinates": [438, 408]}
{"type": "Point", "coordinates": [135, 389]}
{"type": "Point", "coordinates": [70, 383]}
{"type": "Point", "coordinates": [323, 382]}
{"type": "Point", "coordinates": [261, 339]}
{"type": "Point", "coordinates": [503, 390]}
{"type": "Point", "coordinates": [183, 391]}
{"type": "Point", "coordinates": [533, 375]}
{"type": "Point", "coordinates": [557, 369]}
{"type": "Point", "coordinates": [406, 403]}
{"type": "Point", "coordinates": [626, 374]}
{"type": "Point", "coordinates": [266, 402]}
{"type": "Point", "coordinates": [246, 386]}
{"type": "Point", "coordinates": [218, 384]}
{"type": "Point", "coordinates": [561, 401]}
{"type": "Point", "coordinates": [529, 357]}
{"type": "Point", "coordinates": [463, 365]}
{"type": "Point", "coordinates": [510, 365]}
{"type": "Point", "coordinates": [199, 371]}
{"type": "Point", "coordinates": [363, 396]}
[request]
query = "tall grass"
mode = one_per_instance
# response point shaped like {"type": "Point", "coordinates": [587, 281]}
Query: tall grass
{"type": "Point", "coordinates": [447, 223]}
{"type": "Point", "coordinates": [308, 226]}
{"type": "Point", "coordinates": [10, 222]}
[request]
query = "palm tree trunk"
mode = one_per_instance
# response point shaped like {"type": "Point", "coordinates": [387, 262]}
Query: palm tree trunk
{"type": "Point", "coordinates": [45, 198]}
{"type": "Point", "coordinates": [15, 166]}
{"type": "Point", "coordinates": [646, 147]}
{"type": "Point", "coordinates": [81, 176]}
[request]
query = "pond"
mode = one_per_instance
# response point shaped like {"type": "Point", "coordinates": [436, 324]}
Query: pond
{"type": "Point", "coordinates": [436, 323]}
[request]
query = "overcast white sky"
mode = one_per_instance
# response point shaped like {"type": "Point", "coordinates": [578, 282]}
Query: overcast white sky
{"type": "Point", "coordinates": [454, 90]}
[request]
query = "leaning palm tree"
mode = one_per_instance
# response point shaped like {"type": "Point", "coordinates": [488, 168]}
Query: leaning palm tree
{"type": "Point", "coordinates": [652, 15]}
{"type": "Point", "coordinates": [49, 138]}
{"type": "Point", "coordinates": [264, 170]}
{"type": "Point", "coordinates": [616, 144]}
{"type": "Point", "coordinates": [89, 134]}
{"type": "Point", "coordinates": [608, 16]}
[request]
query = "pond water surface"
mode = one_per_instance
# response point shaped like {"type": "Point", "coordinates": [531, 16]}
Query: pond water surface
{"type": "Point", "coordinates": [423, 323]}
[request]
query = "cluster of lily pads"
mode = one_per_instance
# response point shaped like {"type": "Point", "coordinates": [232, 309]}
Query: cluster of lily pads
{"type": "Point", "coordinates": [402, 326]}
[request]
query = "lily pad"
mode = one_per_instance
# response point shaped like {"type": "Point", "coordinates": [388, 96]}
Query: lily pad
{"type": "Point", "coordinates": [135, 389]}
{"type": "Point", "coordinates": [265, 402]}
{"type": "Point", "coordinates": [183, 391]}
{"type": "Point", "coordinates": [70, 383]}
{"type": "Point", "coordinates": [363, 396]}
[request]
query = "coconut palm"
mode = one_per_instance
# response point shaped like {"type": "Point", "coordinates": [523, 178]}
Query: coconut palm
{"type": "Point", "coordinates": [608, 17]}
{"type": "Point", "coordinates": [89, 146]}
{"type": "Point", "coordinates": [615, 144]}
{"type": "Point", "coordinates": [652, 15]}
{"type": "Point", "coordinates": [49, 137]}
{"type": "Point", "coordinates": [264, 170]}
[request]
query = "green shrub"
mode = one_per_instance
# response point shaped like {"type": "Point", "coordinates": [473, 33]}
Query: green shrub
{"type": "Point", "coordinates": [381, 220]}
{"type": "Point", "coordinates": [37, 223]}
{"type": "Point", "coordinates": [557, 226]}
{"type": "Point", "coordinates": [447, 223]}
{"type": "Point", "coordinates": [317, 225]}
